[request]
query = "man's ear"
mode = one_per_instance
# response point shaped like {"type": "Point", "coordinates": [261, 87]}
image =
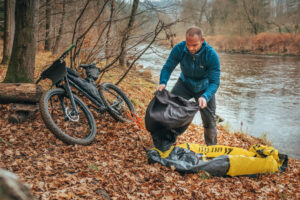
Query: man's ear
{"type": "Point", "coordinates": [202, 39]}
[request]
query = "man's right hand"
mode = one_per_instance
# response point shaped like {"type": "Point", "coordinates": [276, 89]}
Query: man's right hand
{"type": "Point", "coordinates": [161, 87]}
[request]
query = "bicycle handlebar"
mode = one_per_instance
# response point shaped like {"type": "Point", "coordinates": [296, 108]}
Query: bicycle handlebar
{"type": "Point", "coordinates": [67, 51]}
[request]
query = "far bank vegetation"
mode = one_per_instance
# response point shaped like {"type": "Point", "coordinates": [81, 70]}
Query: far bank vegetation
{"type": "Point", "coordinates": [245, 26]}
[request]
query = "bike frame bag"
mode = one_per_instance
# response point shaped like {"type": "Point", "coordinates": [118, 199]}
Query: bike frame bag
{"type": "Point", "coordinates": [55, 72]}
{"type": "Point", "coordinates": [85, 85]}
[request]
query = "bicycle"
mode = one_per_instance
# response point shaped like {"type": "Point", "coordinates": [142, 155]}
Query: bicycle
{"type": "Point", "coordinates": [66, 115]}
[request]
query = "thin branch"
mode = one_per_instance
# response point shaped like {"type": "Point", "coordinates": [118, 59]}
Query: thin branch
{"type": "Point", "coordinates": [157, 31]}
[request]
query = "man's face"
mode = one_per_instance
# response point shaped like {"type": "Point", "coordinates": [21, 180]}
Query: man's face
{"type": "Point", "coordinates": [193, 43]}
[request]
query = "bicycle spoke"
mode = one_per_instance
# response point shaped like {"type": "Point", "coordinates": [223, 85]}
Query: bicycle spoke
{"type": "Point", "coordinates": [61, 113]}
{"type": "Point", "coordinates": [119, 106]}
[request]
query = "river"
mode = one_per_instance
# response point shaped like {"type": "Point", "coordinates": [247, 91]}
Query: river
{"type": "Point", "coordinates": [258, 95]}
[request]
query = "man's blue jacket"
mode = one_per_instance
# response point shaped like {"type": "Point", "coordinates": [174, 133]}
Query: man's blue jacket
{"type": "Point", "coordinates": [199, 72]}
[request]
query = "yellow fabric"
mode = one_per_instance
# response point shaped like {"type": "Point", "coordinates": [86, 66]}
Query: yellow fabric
{"type": "Point", "coordinates": [245, 165]}
{"type": "Point", "coordinates": [215, 150]}
{"type": "Point", "coordinates": [266, 150]}
{"type": "Point", "coordinates": [164, 154]}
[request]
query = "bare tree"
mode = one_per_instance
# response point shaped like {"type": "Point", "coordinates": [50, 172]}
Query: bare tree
{"type": "Point", "coordinates": [81, 37]}
{"type": "Point", "coordinates": [48, 25]}
{"type": "Point", "coordinates": [126, 32]}
{"type": "Point", "coordinates": [285, 16]}
{"type": "Point", "coordinates": [108, 33]}
{"type": "Point", "coordinates": [9, 29]}
{"type": "Point", "coordinates": [100, 28]}
{"type": "Point", "coordinates": [60, 30]}
{"type": "Point", "coordinates": [159, 27]}
{"type": "Point", "coordinates": [256, 13]}
{"type": "Point", "coordinates": [193, 11]}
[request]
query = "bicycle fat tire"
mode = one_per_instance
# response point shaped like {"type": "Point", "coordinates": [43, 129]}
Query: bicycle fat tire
{"type": "Point", "coordinates": [112, 111]}
{"type": "Point", "coordinates": [57, 131]}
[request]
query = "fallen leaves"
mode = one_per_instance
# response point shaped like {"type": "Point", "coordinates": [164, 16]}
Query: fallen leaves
{"type": "Point", "coordinates": [115, 165]}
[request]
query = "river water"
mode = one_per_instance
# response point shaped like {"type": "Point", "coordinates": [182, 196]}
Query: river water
{"type": "Point", "coordinates": [258, 95]}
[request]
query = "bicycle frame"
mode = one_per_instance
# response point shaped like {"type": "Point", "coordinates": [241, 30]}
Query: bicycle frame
{"type": "Point", "coordinates": [61, 78]}
{"type": "Point", "coordinates": [69, 81]}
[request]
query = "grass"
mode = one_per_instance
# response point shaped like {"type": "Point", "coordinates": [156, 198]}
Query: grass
{"type": "Point", "coordinates": [94, 167]}
{"type": "Point", "coordinates": [4, 141]}
{"type": "Point", "coordinates": [137, 102]}
{"type": "Point", "coordinates": [204, 175]}
{"type": "Point", "coordinates": [227, 127]}
{"type": "Point", "coordinates": [264, 139]}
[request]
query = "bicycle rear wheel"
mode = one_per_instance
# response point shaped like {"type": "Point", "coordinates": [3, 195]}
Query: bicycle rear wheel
{"type": "Point", "coordinates": [117, 103]}
{"type": "Point", "coordinates": [59, 117]}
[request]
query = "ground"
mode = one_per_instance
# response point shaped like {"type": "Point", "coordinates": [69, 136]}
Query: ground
{"type": "Point", "coordinates": [115, 165]}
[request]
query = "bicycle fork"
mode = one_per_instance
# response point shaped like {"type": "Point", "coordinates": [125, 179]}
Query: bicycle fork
{"type": "Point", "coordinates": [73, 113]}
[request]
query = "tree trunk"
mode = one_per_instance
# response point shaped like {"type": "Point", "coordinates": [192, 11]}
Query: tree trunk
{"type": "Point", "coordinates": [203, 7]}
{"type": "Point", "coordinates": [9, 29]}
{"type": "Point", "coordinates": [20, 92]}
{"type": "Point", "coordinates": [126, 34]}
{"type": "Point", "coordinates": [36, 21]}
{"type": "Point", "coordinates": [48, 25]}
{"type": "Point", "coordinates": [57, 41]}
{"type": "Point", "coordinates": [21, 65]}
{"type": "Point", "coordinates": [108, 33]}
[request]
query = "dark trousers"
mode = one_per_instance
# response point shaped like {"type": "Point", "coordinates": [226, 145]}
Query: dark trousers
{"type": "Point", "coordinates": [208, 114]}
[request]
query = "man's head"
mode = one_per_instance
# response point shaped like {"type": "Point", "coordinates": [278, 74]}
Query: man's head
{"type": "Point", "coordinates": [194, 39]}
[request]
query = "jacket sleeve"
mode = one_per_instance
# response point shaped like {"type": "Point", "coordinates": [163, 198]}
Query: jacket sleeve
{"type": "Point", "coordinates": [213, 75]}
{"type": "Point", "coordinates": [169, 66]}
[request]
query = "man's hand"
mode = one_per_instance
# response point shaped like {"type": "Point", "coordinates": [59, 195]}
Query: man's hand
{"type": "Point", "coordinates": [161, 87]}
{"type": "Point", "coordinates": [202, 102]}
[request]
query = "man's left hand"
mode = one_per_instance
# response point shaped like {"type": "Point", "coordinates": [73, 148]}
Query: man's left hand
{"type": "Point", "coordinates": [202, 102]}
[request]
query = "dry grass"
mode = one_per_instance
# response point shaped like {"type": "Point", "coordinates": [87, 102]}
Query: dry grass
{"type": "Point", "coordinates": [266, 43]}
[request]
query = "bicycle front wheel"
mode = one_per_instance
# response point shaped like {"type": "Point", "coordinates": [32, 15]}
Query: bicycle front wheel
{"type": "Point", "coordinates": [61, 119]}
{"type": "Point", "coordinates": [117, 103]}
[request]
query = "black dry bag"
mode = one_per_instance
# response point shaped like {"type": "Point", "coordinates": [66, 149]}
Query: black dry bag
{"type": "Point", "coordinates": [168, 116]}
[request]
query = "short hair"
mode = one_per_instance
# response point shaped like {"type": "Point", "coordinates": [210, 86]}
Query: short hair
{"type": "Point", "coordinates": [194, 30]}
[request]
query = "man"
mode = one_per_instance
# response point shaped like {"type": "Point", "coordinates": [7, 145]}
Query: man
{"type": "Point", "coordinates": [199, 78]}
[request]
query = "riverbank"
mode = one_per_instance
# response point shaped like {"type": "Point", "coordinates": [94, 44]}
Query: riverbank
{"type": "Point", "coordinates": [115, 165]}
{"type": "Point", "coordinates": [251, 93]}
{"type": "Point", "coordinates": [262, 44]}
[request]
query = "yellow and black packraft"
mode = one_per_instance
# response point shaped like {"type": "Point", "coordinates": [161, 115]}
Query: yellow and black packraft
{"type": "Point", "coordinates": [220, 160]}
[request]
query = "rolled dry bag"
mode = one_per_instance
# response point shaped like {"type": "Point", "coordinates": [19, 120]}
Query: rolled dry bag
{"type": "Point", "coordinates": [168, 116]}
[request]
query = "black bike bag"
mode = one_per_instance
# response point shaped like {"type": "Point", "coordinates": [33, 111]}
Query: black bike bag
{"type": "Point", "coordinates": [92, 71]}
{"type": "Point", "coordinates": [72, 72]}
{"type": "Point", "coordinates": [85, 85]}
{"type": "Point", "coordinates": [55, 72]}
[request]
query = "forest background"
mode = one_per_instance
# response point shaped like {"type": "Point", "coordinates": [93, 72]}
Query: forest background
{"type": "Point", "coordinates": [112, 31]}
